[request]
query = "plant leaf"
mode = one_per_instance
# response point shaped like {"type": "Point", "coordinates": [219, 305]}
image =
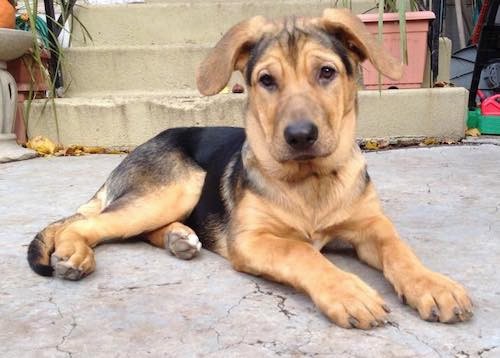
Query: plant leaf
{"type": "Point", "coordinates": [402, 31]}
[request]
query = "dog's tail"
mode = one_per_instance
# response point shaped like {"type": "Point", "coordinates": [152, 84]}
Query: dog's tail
{"type": "Point", "coordinates": [42, 246]}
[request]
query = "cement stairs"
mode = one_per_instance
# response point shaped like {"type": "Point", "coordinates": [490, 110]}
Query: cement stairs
{"type": "Point", "coordinates": [137, 77]}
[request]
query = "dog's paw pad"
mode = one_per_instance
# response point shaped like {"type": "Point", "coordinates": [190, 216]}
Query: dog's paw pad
{"type": "Point", "coordinates": [63, 269]}
{"type": "Point", "coordinates": [183, 245]}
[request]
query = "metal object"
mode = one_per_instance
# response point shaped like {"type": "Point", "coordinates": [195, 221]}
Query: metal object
{"type": "Point", "coordinates": [488, 49]}
{"type": "Point", "coordinates": [55, 28]}
{"type": "Point", "coordinates": [438, 7]}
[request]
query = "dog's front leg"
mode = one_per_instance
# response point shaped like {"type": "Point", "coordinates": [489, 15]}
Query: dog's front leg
{"type": "Point", "coordinates": [342, 296]}
{"type": "Point", "coordinates": [435, 296]}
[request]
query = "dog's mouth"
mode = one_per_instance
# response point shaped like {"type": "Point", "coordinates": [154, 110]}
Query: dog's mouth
{"type": "Point", "coordinates": [306, 156]}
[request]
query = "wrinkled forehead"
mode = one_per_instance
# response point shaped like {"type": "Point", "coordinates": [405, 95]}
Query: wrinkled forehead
{"type": "Point", "coordinates": [291, 37]}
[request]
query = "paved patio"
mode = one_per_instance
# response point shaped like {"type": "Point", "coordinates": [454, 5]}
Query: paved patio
{"type": "Point", "coordinates": [143, 302]}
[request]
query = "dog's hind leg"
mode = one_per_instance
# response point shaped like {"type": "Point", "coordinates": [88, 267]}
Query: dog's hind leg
{"type": "Point", "coordinates": [128, 216]}
{"type": "Point", "coordinates": [42, 246]}
{"type": "Point", "coordinates": [177, 238]}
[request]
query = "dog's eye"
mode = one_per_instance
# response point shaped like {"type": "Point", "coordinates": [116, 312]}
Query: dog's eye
{"type": "Point", "coordinates": [267, 81]}
{"type": "Point", "coordinates": [326, 74]}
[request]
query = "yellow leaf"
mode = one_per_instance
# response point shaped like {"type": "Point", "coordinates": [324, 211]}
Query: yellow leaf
{"type": "Point", "coordinates": [42, 145]}
{"type": "Point", "coordinates": [115, 151]}
{"type": "Point", "coordinates": [430, 141]}
{"type": "Point", "coordinates": [93, 150]}
{"type": "Point", "coordinates": [473, 132]}
{"type": "Point", "coordinates": [371, 145]}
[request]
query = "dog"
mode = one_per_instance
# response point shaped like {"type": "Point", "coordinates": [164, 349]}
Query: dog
{"type": "Point", "coordinates": [270, 196]}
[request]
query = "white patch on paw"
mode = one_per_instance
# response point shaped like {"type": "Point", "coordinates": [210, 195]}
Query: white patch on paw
{"type": "Point", "coordinates": [193, 240]}
{"type": "Point", "coordinates": [184, 246]}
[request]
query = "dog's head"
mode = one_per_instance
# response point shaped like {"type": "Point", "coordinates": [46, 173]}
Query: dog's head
{"type": "Point", "coordinates": [301, 75]}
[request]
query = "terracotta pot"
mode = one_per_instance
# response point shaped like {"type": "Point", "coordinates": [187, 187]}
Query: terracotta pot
{"type": "Point", "coordinates": [20, 70]}
{"type": "Point", "coordinates": [7, 15]}
{"type": "Point", "coordinates": [417, 27]}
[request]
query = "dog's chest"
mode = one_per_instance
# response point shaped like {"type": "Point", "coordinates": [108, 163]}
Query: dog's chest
{"type": "Point", "coordinates": [312, 211]}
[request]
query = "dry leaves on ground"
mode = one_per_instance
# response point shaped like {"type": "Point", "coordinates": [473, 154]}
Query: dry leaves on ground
{"type": "Point", "coordinates": [374, 144]}
{"type": "Point", "coordinates": [44, 146]}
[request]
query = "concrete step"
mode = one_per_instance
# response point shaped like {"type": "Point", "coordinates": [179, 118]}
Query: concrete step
{"type": "Point", "coordinates": [92, 71]}
{"type": "Point", "coordinates": [184, 22]}
{"type": "Point", "coordinates": [139, 68]}
{"type": "Point", "coordinates": [129, 120]}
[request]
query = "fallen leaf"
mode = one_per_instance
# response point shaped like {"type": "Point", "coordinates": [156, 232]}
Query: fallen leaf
{"type": "Point", "coordinates": [473, 132]}
{"type": "Point", "coordinates": [116, 151]}
{"type": "Point", "coordinates": [72, 150]}
{"type": "Point", "coordinates": [42, 145]}
{"type": "Point", "coordinates": [94, 150]}
{"type": "Point", "coordinates": [383, 143]}
{"type": "Point", "coordinates": [371, 144]}
{"type": "Point", "coordinates": [430, 141]}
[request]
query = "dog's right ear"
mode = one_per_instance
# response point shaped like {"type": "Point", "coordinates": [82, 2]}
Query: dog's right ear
{"type": "Point", "coordinates": [231, 53]}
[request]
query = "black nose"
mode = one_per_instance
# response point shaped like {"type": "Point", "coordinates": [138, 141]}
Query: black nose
{"type": "Point", "coordinates": [301, 135]}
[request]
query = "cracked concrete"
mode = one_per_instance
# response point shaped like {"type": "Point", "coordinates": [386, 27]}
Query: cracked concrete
{"type": "Point", "coordinates": [142, 301]}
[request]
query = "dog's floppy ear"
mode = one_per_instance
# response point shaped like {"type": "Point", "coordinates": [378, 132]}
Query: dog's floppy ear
{"type": "Point", "coordinates": [351, 30]}
{"type": "Point", "coordinates": [230, 54]}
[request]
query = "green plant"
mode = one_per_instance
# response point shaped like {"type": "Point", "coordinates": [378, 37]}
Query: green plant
{"type": "Point", "coordinates": [399, 7]}
{"type": "Point", "coordinates": [28, 19]}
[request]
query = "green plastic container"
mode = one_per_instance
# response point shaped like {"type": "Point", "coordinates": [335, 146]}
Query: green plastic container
{"type": "Point", "coordinates": [485, 124]}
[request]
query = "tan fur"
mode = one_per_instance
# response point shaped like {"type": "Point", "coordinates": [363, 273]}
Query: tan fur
{"type": "Point", "coordinates": [300, 206]}
{"type": "Point", "coordinates": [157, 237]}
{"type": "Point", "coordinates": [292, 207]}
{"type": "Point", "coordinates": [229, 54]}
{"type": "Point", "coordinates": [145, 214]}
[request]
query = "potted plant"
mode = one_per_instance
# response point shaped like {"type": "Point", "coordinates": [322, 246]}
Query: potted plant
{"type": "Point", "coordinates": [7, 14]}
{"type": "Point", "coordinates": [404, 36]}
{"type": "Point", "coordinates": [31, 70]}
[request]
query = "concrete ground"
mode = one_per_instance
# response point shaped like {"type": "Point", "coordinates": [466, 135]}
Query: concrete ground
{"type": "Point", "coordinates": [143, 302]}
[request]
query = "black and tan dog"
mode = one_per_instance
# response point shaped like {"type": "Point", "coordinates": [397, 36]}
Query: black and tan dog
{"type": "Point", "coordinates": [268, 197]}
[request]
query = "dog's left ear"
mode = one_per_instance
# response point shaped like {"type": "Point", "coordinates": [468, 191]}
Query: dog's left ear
{"type": "Point", "coordinates": [352, 32]}
{"type": "Point", "coordinates": [229, 54]}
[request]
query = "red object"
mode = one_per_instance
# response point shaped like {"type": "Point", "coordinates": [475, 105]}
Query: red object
{"type": "Point", "coordinates": [474, 39]}
{"type": "Point", "coordinates": [20, 70]}
{"type": "Point", "coordinates": [417, 26]}
{"type": "Point", "coordinates": [491, 106]}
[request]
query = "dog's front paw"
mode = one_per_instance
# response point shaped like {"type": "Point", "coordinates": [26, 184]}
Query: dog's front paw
{"type": "Point", "coordinates": [436, 297]}
{"type": "Point", "coordinates": [351, 303]}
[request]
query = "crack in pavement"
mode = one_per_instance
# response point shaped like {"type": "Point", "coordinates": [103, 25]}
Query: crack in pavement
{"type": "Point", "coordinates": [133, 288]}
{"type": "Point", "coordinates": [485, 350]}
{"type": "Point", "coordinates": [282, 299]}
{"type": "Point", "coordinates": [65, 338]}
{"type": "Point", "coordinates": [479, 353]}
{"type": "Point", "coordinates": [281, 303]}
{"type": "Point", "coordinates": [395, 325]}
{"type": "Point", "coordinates": [51, 300]}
